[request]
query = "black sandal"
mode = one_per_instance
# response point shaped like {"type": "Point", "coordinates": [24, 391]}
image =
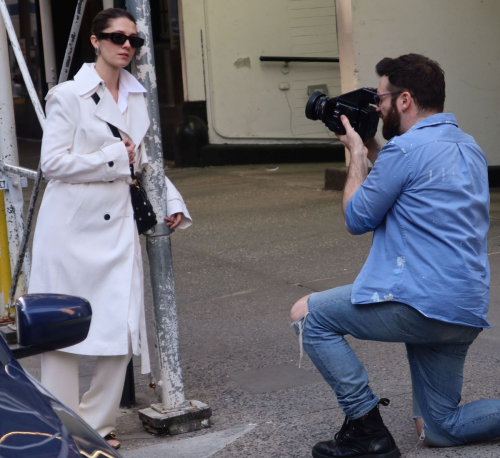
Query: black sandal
{"type": "Point", "coordinates": [112, 437]}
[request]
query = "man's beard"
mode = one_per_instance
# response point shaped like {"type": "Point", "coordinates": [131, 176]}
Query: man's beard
{"type": "Point", "coordinates": [392, 123]}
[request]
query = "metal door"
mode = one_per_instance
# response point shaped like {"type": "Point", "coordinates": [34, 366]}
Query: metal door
{"type": "Point", "coordinates": [264, 101]}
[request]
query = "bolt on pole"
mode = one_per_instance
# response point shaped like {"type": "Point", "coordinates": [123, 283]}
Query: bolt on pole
{"type": "Point", "coordinates": [173, 415]}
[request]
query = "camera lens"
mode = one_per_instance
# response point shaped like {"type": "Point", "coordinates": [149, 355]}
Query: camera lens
{"type": "Point", "coordinates": [314, 106]}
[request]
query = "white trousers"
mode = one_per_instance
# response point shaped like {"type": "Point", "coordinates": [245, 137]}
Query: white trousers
{"type": "Point", "coordinates": [99, 405]}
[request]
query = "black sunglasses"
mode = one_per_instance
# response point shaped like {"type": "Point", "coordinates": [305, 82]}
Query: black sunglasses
{"type": "Point", "coordinates": [121, 38]}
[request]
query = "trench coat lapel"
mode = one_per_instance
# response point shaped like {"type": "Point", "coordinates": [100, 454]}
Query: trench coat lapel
{"type": "Point", "coordinates": [107, 110]}
{"type": "Point", "coordinates": [88, 81]}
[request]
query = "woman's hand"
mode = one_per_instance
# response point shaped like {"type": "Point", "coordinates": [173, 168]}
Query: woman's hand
{"type": "Point", "coordinates": [174, 220]}
{"type": "Point", "coordinates": [130, 145]}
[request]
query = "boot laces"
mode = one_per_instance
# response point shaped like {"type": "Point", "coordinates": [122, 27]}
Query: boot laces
{"type": "Point", "coordinates": [348, 425]}
{"type": "Point", "coordinates": [384, 401]}
{"type": "Point", "coordinates": [344, 430]}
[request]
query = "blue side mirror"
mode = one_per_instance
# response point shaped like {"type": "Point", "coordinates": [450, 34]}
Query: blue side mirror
{"type": "Point", "coordinates": [47, 322]}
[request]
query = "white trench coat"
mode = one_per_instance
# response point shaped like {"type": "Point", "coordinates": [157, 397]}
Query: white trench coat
{"type": "Point", "coordinates": [86, 242]}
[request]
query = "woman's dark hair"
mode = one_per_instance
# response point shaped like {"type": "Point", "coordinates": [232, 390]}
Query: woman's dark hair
{"type": "Point", "coordinates": [102, 19]}
{"type": "Point", "coordinates": [420, 76]}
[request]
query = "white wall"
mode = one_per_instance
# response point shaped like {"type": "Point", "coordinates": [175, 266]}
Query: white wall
{"type": "Point", "coordinates": [192, 30]}
{"type": "Point", "coordinates": [244, 100]}
{"type": "Point", "coordinates": [245, 103]}
{"type": "Point", "coordinates": [462, 35]}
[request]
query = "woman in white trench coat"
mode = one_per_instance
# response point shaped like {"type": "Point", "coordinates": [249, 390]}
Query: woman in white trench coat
{"type": "Point", "coordinates": [86, 241]}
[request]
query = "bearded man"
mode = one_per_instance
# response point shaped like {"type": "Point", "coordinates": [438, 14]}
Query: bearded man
{"type": "Point", "coordinates": [426, 279]}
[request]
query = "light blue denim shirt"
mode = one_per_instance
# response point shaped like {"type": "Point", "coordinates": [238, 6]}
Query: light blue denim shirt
{"type": "Point", "coordinates": [427, 201]}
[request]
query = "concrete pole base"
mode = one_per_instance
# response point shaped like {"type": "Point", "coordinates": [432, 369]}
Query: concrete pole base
{"type": "Point", "coordinates": [191, 416]}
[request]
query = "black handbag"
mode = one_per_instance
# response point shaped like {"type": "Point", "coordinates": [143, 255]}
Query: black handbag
{"type": "Point", "coordinates": [144, 215]}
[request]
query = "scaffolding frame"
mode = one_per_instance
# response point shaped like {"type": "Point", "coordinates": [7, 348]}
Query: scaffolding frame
{"type": "Point", "coordinates": [173, 407]}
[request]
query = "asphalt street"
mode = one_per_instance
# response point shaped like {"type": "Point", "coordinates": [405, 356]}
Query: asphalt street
{"type": "Point", "coordinates": [264, 236]}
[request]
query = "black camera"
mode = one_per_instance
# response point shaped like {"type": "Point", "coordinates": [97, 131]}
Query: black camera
{"type": "Point", "coordinates": [355, 105]}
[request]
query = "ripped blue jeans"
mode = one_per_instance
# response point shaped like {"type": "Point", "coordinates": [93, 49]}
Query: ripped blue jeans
{"type": "Point", "coordinates": [436, 353]}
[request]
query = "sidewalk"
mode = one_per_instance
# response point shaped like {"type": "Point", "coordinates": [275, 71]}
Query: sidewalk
{"type": "Point", "coordinates": [264, 236]}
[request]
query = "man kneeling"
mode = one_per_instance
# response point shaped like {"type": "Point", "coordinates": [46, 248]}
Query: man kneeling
{"type": "Point", "coordinates": [426, 279]}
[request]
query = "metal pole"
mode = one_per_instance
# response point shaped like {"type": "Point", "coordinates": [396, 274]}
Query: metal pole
{"type": "Point", "coordinates": [8, 124]}
{"type": "Point", "coordinates": [21, 63]}
{"type": "Point", "coordinates": [178, 415]}
{"type": "Point", "coordinates": [158, 246]}
{"type": "Point", "coordinates": [49, 50]}
{"type": "Point", "coordinates": [73, 36]}
{"type": "Point", "coordinates": [13, 192]}
{"type": "Point", "coordinates": [20, 171]}
{"type": "Point", "coordinates": [5, 270]}
{"type": "Point", "coordinates": [14, 197]}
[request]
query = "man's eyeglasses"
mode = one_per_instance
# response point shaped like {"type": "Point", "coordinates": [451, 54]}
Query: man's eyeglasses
{"type": "Point", "coordinates": [378, 97]}
{"type": "Point", "coordinates": [121, 38]}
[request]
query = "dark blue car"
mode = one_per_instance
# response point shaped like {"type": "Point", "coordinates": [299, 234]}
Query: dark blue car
{"type": "Point", "coordinates": [32, 422]}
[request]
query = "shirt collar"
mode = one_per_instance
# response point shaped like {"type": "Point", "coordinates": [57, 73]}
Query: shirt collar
{"type": "Point", "coordinates": [128, 85]}
{"type": "Point", "coordinates": [87, 80]}
{"type": "Point", "coordinates": [434, 120]}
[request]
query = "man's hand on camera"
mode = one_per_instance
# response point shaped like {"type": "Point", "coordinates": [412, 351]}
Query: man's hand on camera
{"type": "Point", "coordinates": [358, 166]}
{"type": "Point", "coordinates": [351, 140]}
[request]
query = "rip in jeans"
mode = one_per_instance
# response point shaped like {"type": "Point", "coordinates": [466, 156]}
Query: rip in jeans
{"type": "Point", "coordinates": [421, 439]}
{"type": "Point", "coordinates": [299, 329]}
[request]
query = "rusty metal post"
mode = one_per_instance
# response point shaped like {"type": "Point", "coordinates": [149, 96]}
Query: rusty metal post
{"type": "Point", "coordinates": [11, 183]}
{"type": "Point", "coordinates": [5, 270]}
{"type": "Point", "coordinates": [8, 163]}
{"type": "Point", "coordinates": [174, 414]}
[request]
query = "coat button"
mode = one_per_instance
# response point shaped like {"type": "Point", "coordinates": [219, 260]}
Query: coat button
{"type": "Point", "coordinates": [111, 163]}
{"type": "Point", "coordinates": [107, 217]}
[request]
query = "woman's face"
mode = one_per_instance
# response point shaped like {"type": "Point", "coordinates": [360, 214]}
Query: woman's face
{"type": "Point", "coordinates": [113, 54]}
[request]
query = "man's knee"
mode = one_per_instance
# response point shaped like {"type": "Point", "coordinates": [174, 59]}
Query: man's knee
{"type": "Point", "coordinates": [300, 309]}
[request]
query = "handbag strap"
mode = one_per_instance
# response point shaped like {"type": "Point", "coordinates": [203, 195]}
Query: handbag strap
{"type": "Point", "coordinates": [114, 131]}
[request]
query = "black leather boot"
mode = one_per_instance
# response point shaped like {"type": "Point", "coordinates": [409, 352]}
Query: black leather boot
{"type": "Point", "coordinates": [366, 437]}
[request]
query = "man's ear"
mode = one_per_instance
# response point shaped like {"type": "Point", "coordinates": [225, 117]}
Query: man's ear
{"type": "Point", "coordinates": [405, 101]}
